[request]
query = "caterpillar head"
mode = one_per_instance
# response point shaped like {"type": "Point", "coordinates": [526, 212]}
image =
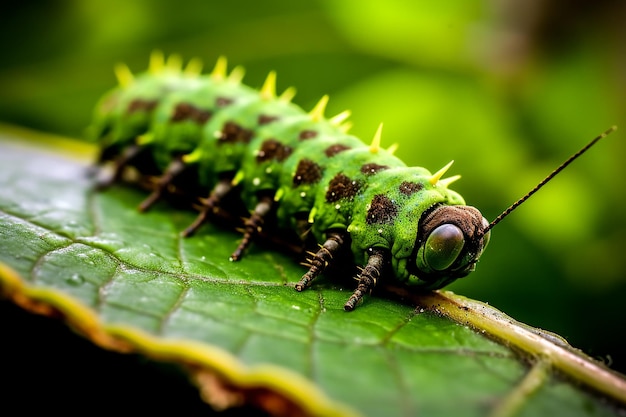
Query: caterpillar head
{"type": "Point", "coordinates": [433, 238]}
{"type": "Point", "coordinates": [449, 242]}
{"type": "Point", "coordinates": [450, 239]}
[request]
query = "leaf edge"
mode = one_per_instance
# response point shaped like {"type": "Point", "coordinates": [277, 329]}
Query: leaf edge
{"type": "Point", "coordinates": [222, 380]}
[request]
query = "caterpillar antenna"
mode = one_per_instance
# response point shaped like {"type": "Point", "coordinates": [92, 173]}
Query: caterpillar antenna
{"type": "Point", "coordinates": [548, 178]}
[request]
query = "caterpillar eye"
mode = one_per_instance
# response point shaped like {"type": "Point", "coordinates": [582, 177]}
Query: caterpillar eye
{"type": "Point", "coordinates": [449, 242]}
{"type": "Point", "coordinates": [443, 246]}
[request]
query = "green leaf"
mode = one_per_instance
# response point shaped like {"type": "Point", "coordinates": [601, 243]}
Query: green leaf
{"type": "Point", "coordinates": [129, 282]}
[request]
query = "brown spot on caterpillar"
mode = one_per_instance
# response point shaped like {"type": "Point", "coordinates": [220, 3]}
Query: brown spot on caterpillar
{"type": "Point", "coordinates": [233, 133]}
{"type": "Point", "coordinates": [185, 111]}
{"type": "Point", "coordinates": [272, 149]}
{"type": "Point", "coordinates": [333, 150]}
{"type": "Point", "coordinates": [371, 169]}
{"type": "Point", "coordinates": [307, 172]}
{"type": "Point", "coordinates": [342, 187]}
{"type": "Point", "coordinates": [223, 101]}
{"type": "Point", "coordinates": [141, 105]}
{"type": "Point", "coordinates": [382, 210]}
{"type": "Point", "coordinates": [408, 188]}
{"type": "Point", "coordinates": [265, 119]}
{"type": "Point", "coordinates": [202, 116]}
{"type": "Point", "coordinates": [307, 134]}
{"type": "Point", "coordinates": [182, 111]}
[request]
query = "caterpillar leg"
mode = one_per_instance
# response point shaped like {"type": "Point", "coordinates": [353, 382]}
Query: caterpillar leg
{"type": "Point", "coordinates": [368, 277]}
{"type": "Point", "coordinates": [253, 226]}
{"type": "Point", "coordinates": [121, 162]}
{"type": "Point", "coordinates": [221, 189]}
{"type": "Point", "coordinates": [176, 167]}
{"type": "Point", "coordinates": [320, 260]}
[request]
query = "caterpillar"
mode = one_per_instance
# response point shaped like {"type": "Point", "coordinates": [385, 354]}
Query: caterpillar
{"type": "Point", "coordinates": [216, 138]}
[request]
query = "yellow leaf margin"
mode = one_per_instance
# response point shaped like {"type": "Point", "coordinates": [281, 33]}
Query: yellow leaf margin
{"type": "Point", "coordinates": [222, 379]}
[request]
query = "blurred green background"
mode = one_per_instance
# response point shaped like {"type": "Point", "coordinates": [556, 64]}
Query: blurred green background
{"type": "Point", "coordinates": [508, 89]}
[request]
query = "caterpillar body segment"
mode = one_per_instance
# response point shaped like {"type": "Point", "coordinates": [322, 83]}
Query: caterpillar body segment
{"type": "Point", "coordinates": [300, 169]}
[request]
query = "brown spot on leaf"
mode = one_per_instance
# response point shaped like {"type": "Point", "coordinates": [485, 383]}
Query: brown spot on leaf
{"type": "Point", "coordinates": [342, 187]}
{"type": "Point", "coordinates": [272, 149]}
{"type": "Point", "coordinates": [307, 172]}
{"type": "Point", "coordinates": [371, 169]}
{"type": "Point", "coordinates": [408, 188]}
{"type": "Point", "coordinates": [382, 210]}
{"type": "Point", "coordinates": [333, 150]}
{"type": "Point", "coordinates": [233, 133]}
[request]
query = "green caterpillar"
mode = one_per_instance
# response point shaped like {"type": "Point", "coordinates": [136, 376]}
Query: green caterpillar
{"type": "Point", "coordinates": [300, 169]}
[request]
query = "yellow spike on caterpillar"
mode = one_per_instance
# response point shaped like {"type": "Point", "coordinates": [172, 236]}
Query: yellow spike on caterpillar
{"type": "Point", "coordinates": [145, 139]}
{"type": "Point", "coordinates": [238, 178]}
{"type": "Point", "coordinates": [317, 113]}
{"type": "Point", "coordinates": [279, 194]}
{"type": "Point", "coordinates": [219, 70]}
{"type": "Point", "coordinates": [268, 91]}
{"type": "Point", "coordinates": [123, 74]}
{"type": "Point", "coordinates": [193, 157]}
{"type": "Point", "coordinates": [174, 63]}
{"type": "Point", "coordinates": [345, 127]}
{"type": "Point", "coordinates": [437, 175]}
{"type": "Point", "coordinates": [393, 148]}
{"type": "Point", "coordinates": [288, 94]}
{"type": "Point", "coordinates": [375, 145]}
{"type": "Point", "coordinates": [445, 182]}
{"type": "Point", "coordinates": [338, 119]}
{"type": "Point", "coordinates": [237, 74]}
{"type": "Point", "coordinates": [312, 215]}
{"type": "Point", "coordinates": [157, 62]}
{"type": "Point", "coordinates": [193, 67]}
